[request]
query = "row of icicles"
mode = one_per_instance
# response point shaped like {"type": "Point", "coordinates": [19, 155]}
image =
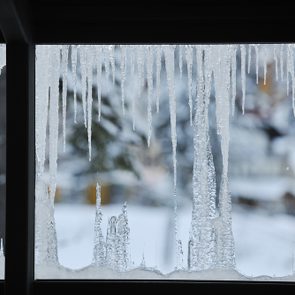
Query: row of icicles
{"type": "Point", "coordinates": [211, 241]}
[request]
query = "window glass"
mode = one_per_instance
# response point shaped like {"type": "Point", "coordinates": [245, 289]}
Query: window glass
{"type": "Point", "coordinates": [165, 161]}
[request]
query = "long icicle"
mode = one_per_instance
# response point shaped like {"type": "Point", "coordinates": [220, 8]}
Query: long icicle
{"type": "Point", "coordinates": [74, 56]}
{"type": "Point", "coordinates": [257, 61]}
{"type": "Point", "coordinates": [123, 76]}
{"type": "Point", "coordinates": [83, 80]}
{"type": "Point", "coordinates": [64, 62]}
{"type": "Point", "coordinates": [89, 62]}
{"type": "Point", "coordinates": [189, 63]}
{"type": "Point", "coordinates": [158, 75]}
{"type": "Point", "coordinates": [98, 80]}
{"type": "Point", "coordinates": [243, 75]}
{"type": "Point", "coordinates": [149, 68]}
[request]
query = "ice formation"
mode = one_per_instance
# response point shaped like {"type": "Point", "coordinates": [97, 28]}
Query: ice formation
{"type": "Point", "coordinates": [209, 67]}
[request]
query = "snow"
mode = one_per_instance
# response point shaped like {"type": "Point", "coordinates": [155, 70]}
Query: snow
{"type": "Point", "coordinates": [264, 244]}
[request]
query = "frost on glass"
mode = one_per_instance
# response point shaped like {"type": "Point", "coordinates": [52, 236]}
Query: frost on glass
{"type": "Point", "coordinates": [2, 155]}
{"type": "Point", "coordinates": [211, 73]}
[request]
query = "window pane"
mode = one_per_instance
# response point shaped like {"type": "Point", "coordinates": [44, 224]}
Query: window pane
{"type": "Point", "coordinates": [2, 153]}
{"type": "Point", "coordinates": [165, 162]}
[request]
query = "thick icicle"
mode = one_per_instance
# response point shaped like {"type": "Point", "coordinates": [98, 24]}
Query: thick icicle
{"type": "Point", "coordinates": [99, 244]}
{"type": "Point", "coordinates": [224, 241]}
{"type": "Point", "coordinates": [132, 71]}
{"type": "Point", "coordinates": [64, 66]}
{"type": "Point", "coordinates": [158, 75]}
{"type": "Point", "coordinates": [89, 63]}
{"type": "Point", "coordinates": [123, 240]}
{"type": "Point", "coordinates": [53, 118]}
{"type": "Point", "coordinates": [180, 55]}
{"type": "Point", "coordinates": [234, 78]}
{"type": "Point", "coordinates": [106, 64]}
{"type": "Point", "coordinates": [256, 46]}
{"type": "Point", "coordinates": [189, 64]}
{"type": "Point", "coordinates": [275, 56]}
{"type": "Point", "coordinates": [169, 62]}
{"type": "Point", "coordinates": [123, 76]}
{"type": "Point", "coordinates": [83, 80]}
{"type": "Point", "coordinates": [243, 75]}
{"type": "Point", "coordinates": [42, 87]}
{"type": "Point", "coordinates": [201, 243]}
{"type": "Point", "coordinates": [98, 56]}
{"type": "Point", "coordinates": [74, 56]}
{"type": "Point", "coordinates": [149, 69]}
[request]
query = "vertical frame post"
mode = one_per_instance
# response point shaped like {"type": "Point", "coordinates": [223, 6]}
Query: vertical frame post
{"type": "Point", "coordinates": [19, 262]}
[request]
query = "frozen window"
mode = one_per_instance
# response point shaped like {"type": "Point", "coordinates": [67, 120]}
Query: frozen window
{"type": "Point", "coordinates": [2, 153]}
{"type": "Point", "coordinates": [165, 162]}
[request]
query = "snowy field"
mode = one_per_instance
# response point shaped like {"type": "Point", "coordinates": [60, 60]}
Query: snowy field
{"type": "Point", "coordinates": [264, 243]}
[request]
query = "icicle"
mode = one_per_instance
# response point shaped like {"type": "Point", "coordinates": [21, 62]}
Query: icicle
{"type": "Point", "coordinates": [140, 66]}
{"type": "Point", "coordinates": [169, 62]}
{"type": "Point", "coordinates": [264, 69]}
{"type": "Point", "coordinates": [42, 87]}
{"type": "Point", "coordinates": [189, 63]}
{"type": "Point", "coordinates": [53, 118]}
{"type": "Point", "coordinates": [112, 61]}
{"type": "Point", "coordinates": [83, 80]}
{"type": "Point", "coordinates": [249, 58]}
{"type": "Point", "coordinates": [106, 65]}
{"type": "Point", "coordinates": [282, 61]}
{"type": "Point", "coordinates": [132, 71]}
{"type": "Point", "coordinates": [122, 242]}
{"type": "Point", "coordinates": [149, 68]}
{"type": "Point", "coordinates": [98, 56]}
{"type": "Point", "coordinates": [1, 248]}
{"type": "Point", "coordinates": [89, 63]}
{"type": "Point", "coordinates": [243, 75]}
{"type": "Point", "coordinates": [225, 243]}
{"type": "Point", "coordinates": [123, 76]}
{"type": "Point", "coordinates": [276, 61]}
{"type": "Point", "coordinates": [74, 57]}
{"type": "Point", "coordinates": [257, 61]}
{"type": "Point", "coordinates": [99, 244]}
{"type": "Point", "coordinates": [64, 66]}
{"type": "Point", "coordinates": [234, 78]}
{"type": "Point", "coordinates": [158, 75]}
{"type": "Point", "coordinates": [180, 60]}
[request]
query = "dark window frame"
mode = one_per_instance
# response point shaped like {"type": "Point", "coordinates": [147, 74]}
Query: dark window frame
{"type": "Point", "coordinates": [24, 24]}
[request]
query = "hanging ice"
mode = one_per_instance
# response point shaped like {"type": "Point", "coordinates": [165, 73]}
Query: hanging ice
{"type": "Point", "coordinates": [99, 244]}
{"type": "Point", "coordinates": [112, 61]}
{"type": "Point", "coordinates": [275, 56]}
{"type": "Point", "coordinates": [158, 75]}
{"type": "Point", "coordinates": [180, 53]}
{"type": "Point", "coordinates": [233, 78]}
{"type": "Point", "coordinates": [123, 76]}
{"type": "Point", "coordinates": [74, 57]}
{"type": "Point", "coordinates": [149, 69]}
{"type": "Point", "coordinates": [256, 46]}
{"type": "Point", "coordinates": [83, 80]}
{"type": "Point", "coordinates": [243, 75]}
{"type": "Point", "coordinates": [98, 56]}
{"type": "Point", "coordinates": [64, 66]}
{"type": "Point", "coordinates": [189, 64]}
{"type": "Point", "coordinates": [249, 58]}
{"type": "Point", "coordinates": [89, 64]}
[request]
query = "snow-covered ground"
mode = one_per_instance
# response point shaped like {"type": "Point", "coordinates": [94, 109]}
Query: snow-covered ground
{"type": "Point", "coordinates": [264, 243]}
